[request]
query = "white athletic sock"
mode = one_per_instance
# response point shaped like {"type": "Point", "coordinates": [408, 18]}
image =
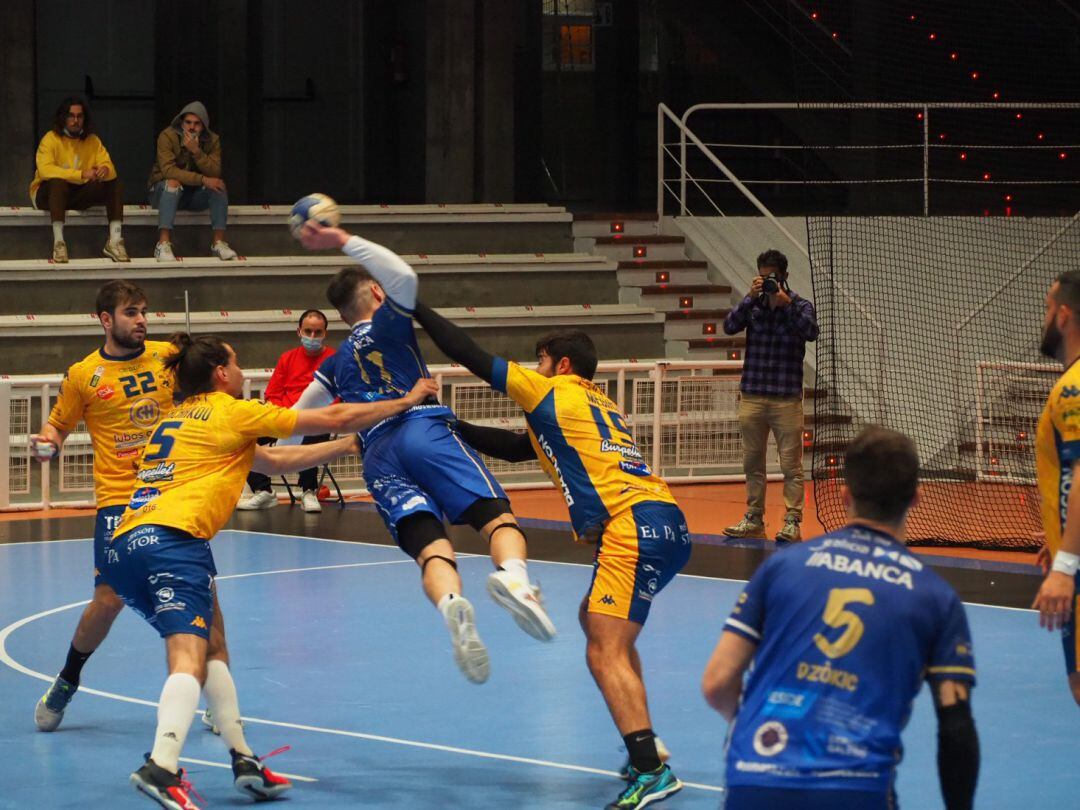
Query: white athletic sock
{"type": "Point", "coordinates": [176, 710]}
{"type": "Point", "coordinates": [57, 232]}
{"type": "Point", "coordinates": [445, 602]}
{"type": "Point", "coordinates": [114, 229]}
{"type": "Point", "coordinates": [222, 701]}
{"type": "Point", "coordinates": [517, 568]}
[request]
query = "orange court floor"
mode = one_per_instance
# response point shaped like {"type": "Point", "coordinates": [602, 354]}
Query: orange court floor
{"type": "Point", "coordinates": [708, 509]}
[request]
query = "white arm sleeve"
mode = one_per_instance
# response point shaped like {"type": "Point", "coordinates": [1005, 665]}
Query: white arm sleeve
{"type": "Point", "coordinates": [314, 396]}
{"type": "Point", "coordinates": [386, 267]}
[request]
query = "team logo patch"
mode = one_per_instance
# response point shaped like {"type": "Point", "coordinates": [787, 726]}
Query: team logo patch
{"type": "Point", "coordinates": [165, 594]}
{"type": "Point", "coordinates": [770, 739]}
{"type": "Point", "coordinates": [145, 412]}
{"type": "Point", "coordinates": [635, 467]}
{"type": "Point", "coordinates": [142, 496]}
{"type": "Point", "coordinates": [97, 376]}
{"type": "Point", "coordinates": [105, 392]}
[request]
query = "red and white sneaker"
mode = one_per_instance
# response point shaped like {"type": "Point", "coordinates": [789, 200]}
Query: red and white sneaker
{"type": "Point", "coordinates": [170, 790]}
{"type": "Point", "coordinates": [252, 778]}
{"type": "Point", "coordinates": [523, 601]}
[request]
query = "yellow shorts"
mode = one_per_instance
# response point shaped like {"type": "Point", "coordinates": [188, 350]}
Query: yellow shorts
{"type": "Point", "coordinates": [639, 552]}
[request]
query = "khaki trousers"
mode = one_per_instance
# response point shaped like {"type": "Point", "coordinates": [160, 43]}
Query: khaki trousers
{"type": "Point", "coordinates": [784, 417]}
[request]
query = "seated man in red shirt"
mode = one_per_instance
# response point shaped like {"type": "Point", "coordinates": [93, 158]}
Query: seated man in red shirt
{"type": "Point", "coordinates": [293, 373]}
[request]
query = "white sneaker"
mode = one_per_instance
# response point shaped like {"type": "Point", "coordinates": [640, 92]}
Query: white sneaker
{"type": "Point", "coordinates": [524, 602]}
{"type": "Point", "coordinates": [260, 500]}
{"type": "Point", "coordinates": [222, 250]}
{"type": "Point", "coordinates": [310, 501]}
{"type": "Point", "coordinates": [470, 654]}
{"type": "Point", "coordinates": [163, 252]}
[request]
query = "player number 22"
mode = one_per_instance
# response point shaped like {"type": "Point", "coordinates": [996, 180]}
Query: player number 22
{"type": "Point", "coordinates": [837, 615]}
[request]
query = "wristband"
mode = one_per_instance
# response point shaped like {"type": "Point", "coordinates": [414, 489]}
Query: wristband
{"type": "Point", "coordinates": [1066, 563]}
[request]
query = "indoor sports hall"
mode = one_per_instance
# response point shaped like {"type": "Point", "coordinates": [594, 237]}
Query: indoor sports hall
{"type": "Point", "coordinates": [889, 186]}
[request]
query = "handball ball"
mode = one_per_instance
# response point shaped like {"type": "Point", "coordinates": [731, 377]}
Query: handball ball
{"type": "Point", "coordinates": [317, 207]}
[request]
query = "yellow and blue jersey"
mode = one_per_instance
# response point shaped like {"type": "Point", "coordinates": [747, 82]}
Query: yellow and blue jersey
{"type": "Point", "coordinates": [847, 627]}
{"type": "Point", "coordinates": [121, 399]}
{"type": "Point", "coordinates": [583, 443]}
{"type": "Point", "coordinates": [1057, 448]}
{"type": "Point", "coordinates": [197, 460]}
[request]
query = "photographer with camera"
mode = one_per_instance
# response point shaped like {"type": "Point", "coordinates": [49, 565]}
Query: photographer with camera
{"type": "Point", "coordinates": [778, 324]}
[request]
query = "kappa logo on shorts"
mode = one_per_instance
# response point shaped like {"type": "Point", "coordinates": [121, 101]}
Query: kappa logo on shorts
{"type": "Point", "coordinates": [199, 622]}
{"type": "Point", "coordinates": [607, 599]}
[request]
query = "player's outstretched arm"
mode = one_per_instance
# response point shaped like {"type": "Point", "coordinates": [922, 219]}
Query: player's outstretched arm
{"type": "Point", "coordinates": [349, 417]}
{"type": "Point", "coordinates": [722, 682]}
{"type": "Point", "coordinates": [454, 342]}
{"type": "Point", "coordinates": [958, 744]}
{"type": "Point", "coordinates": [281, 460]}
{"type": "Point", "coordinates": [497, 442]}
{"type": "Point", "coordinates": [46, 444]}
{"type": "Point", "coordinates": [395, 276]}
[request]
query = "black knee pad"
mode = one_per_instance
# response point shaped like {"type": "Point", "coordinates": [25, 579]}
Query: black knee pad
{"type": "Point", "coordinates": [447, 560]}
{"type": "Point", "coordinates": [484, 510]}
{"type": "Point", "coordinates": [417, 532]}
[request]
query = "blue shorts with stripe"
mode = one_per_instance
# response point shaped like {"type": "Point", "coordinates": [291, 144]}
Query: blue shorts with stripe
{"type": "Point", "coordinates": [166, 576]}
{"type": "Point", "coordinates": [422, 465]}
{"type": "Point", "coordinates": [1069, 637]}
{"type": "Point", "coordinates": [108, 518]}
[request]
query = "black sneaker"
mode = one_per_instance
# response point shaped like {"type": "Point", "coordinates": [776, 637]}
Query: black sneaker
{"type": "Point", "coordinates": [252, 778]}
{"type": "Point", "coordinates": [170, 790]}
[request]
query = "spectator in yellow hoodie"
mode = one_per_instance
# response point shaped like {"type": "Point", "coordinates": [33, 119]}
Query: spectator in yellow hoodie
{"type": "Point", "coordinates": [74, 171]}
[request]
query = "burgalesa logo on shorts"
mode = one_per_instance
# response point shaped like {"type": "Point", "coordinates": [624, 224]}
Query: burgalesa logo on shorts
{"type": "Point", "coordinates": [770, 739]}
{"type": "Point", "coordinates": [142, 496]}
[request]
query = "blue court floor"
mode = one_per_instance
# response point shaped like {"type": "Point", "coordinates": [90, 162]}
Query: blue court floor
{"type": "Point", "coordinates": [336, 653]}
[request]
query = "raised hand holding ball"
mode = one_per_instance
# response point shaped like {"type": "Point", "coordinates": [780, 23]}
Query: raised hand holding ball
{"type": "Point", "coordinates": [314, 208]}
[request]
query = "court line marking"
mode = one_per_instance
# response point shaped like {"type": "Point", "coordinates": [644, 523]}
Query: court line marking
{"type": "Point", "coordinates": [6, 658]}
{"type": "Point", "coordinates": [39, 542]}
{"type": "Point", "coordinates": [564, 562]}
{"type": "Point", "coordinates": [193, 761]}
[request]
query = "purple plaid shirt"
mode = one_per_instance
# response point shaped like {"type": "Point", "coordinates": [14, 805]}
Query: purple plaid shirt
{"type": "Point", "coordinates": [775, 345]}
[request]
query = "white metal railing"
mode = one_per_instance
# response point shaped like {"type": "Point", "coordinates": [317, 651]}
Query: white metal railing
{"type": "Point", "coordinates": [686, 136]}
{"type": "Point", "coordinates": [683, 415]}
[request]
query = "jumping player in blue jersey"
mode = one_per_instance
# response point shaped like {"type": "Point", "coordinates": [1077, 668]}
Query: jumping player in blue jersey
{"type": "Point", "coordinates": [417, 467]}
{"type": "Point", "coordinates": [841, 632]}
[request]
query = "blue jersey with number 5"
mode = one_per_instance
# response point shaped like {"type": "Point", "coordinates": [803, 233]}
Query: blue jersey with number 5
{"type": "Point", "coordinates": [583, 443]}
{"type": "Point", "coordinates": [379, 360]}
{"type": "Point", "coordinates": [848, 626]}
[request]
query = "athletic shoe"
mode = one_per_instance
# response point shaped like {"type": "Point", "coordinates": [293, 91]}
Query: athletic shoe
{"type": "Point", "coordinates": [310, 501]}
{"type": "Point", "coordinates": [252, 778]}
{"type": "Point", "coordinates": [661, 751]}
{"type": "Point", "coordinates": [170, 790]}
{"type": "Point", "coordinates": [59, 253]}
{"type": "Point", "coordinates": [222, 250]}
{"type": "Point", "coordinates": [116, 251]}
{"type": "Point", "coordinates": [523, 601]}
{"type": "Point", "coordinates": [790, 533]}
{"type": "Point", "coordinates": [163, 252]}
{"type": "Point", "coordinates": [260, 500]}
{"type": "Point", "coordinates": [208, 721]}
{"type": "Point", "coordinates": [646, 788]}
{"type": "Point", "coordinates": [470, 654]}
{"type": "Point", "coordinates": [750, 526]}
{"type": "Point", "coordinates": [50, 709]}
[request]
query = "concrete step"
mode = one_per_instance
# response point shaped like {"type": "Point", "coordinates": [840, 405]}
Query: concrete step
{"type": "Point", "coordinates": [275, 282]}
{"type": "Point", "coordinates": [262, 230]}
{"type": "Point", "coordinates": [631, 276]}
{"type": "Point", "coordinates": [673, 298]}
{"type": "Point", "coordinates": [628, 248]}
{"type": "Point", "coordinates": [694, 324]}
{"type": "Point", "coordinates": [50, 343]}
{"type": "Point", "coordinates": [594, 225]}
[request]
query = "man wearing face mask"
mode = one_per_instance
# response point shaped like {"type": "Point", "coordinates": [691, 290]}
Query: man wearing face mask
{"type": "Point", "coordinates": [187, 176]}
{"type": "Point", "coordinates": [1057, 454]}
{"type": "Point", "coordinates": [293, 373]}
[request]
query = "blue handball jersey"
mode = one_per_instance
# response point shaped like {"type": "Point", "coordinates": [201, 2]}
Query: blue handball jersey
{"type": "Point", "coordinates": [848, 625]}
{"type": "Point", "coordinates": [379, 360]}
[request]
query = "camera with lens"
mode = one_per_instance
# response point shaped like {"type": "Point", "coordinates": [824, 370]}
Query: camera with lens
{"type": "Point", "coordinates": [770, 285]}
